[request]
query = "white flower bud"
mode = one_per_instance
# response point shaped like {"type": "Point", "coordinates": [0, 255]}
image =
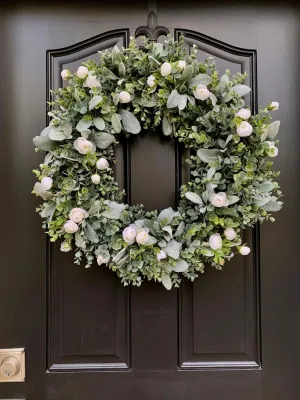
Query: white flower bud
{"type": "Point", "coordinates": [219, 199]}
{"type": "Point", "coordinates": [230, 233]}
{"type": "Point", "coordinates": [70, 227]}
{"type": "Point", "coordinates": [151, 81]}
{"type": "Point", "coordinates": [102, 259]}
{"type": "Point", "coordinates": [245, 250]}
{"type": "Point", "coordinates": [161, 255]}
{"type": "Point", "coordinates": [274, 106]}
{"type": "Point", "coordinates": [166, 69]}
{"type": "Point", "coordinates": [102, 164]}
{"type": "Point", "coordinates": [272, 150]}
{"type": "Point", "coordinates": [124, 97]}
{"type": "Point", "coordinates": [215, 241]}
{"type": "Point", "coordinates": [78, 214]}
{"type": "Point", "coordinates": [47, 182]}
{"type": "Point", "coordinates": [244, 113]}
{"type": "Point", "coordinates": [244, 129]}
{"type": "Point", "coordinates": [95, 179]}
{"type": "Point", "coordinates": [129, 234]}
{"type": "Point", "coordinates": [84, 146]}
{"type": "Point", "coordinates": [201, 92]}
{"type": "Point", "coordinates": [91, 81]}
{"type": "Point", "coordinates": [65, 74]}
{"type": "Point", "coordinates": [142, 236]}
{"type": "Point", "coordinates": [65, 247]}
{"type": "Point", "coordinates": [181, 64]}
{"type": "Point", "coordinates": [82, 72]}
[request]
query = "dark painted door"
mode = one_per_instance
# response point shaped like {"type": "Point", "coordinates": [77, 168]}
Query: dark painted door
{"type": "Point", "coordinates": [232, 334]}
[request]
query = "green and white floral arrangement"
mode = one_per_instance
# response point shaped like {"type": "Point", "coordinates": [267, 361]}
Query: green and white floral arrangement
{"type": "Point", "coordinates": [232, 183]}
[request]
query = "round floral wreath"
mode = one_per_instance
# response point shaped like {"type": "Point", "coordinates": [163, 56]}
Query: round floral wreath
{"type": "Point", "coordinates": [137, 88]}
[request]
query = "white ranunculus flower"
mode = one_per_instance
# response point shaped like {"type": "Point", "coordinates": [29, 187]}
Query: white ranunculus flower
{"type": "Point", "coordinates": [65, 74]}
{"type": "Point", "coordinates": [102, 164]}
{"type": "Point", "coordinates": [124, 97]}
{"type": "Point", "coordinates": [47, 182]}
{"type": "Point", "coordinates": [201, 92]}
{"type": "Point", "coordinates": [70, 226]}
{"type": "Point", "coordinates": [161, 255]}
{"type": "Point", "coordinates": [84, 146]}
{"type": "Point", "coordinates": [244, 129]}
{"type": "Point", "coordinates": [245, 250]}
{"type": "Point", "coordinates": [244, 113]}
{"type": "Point", "coordinates": [215, 241]}
{"type": "Point", "coordinates": [129, 234]}
{"type": "Point", "coordinates": [82, 72]}
{"type": "Point", "coordinates": [230, 233]}
{"type": "Point", "coordinates": [142, 236]}
{"type": "Point", "coordinates": [274, 106]}
{"type": "Point", "coordinates": [151, 81]}
{"type": "Point", "coordinates": [65, 247]}
{"type": "Point", "coordinates": [272, 150]}
{"type": "Point", "coordinates": [77, 214]}
{"type": "Point", "coordinates": [95, 179]}
{"type": "Point", "coordinates": [166, 69]}
{"type": "Point", "coordinates": [181, 64]}
{"type": "Point", "coordinates": [102, 259]}
{"type": "Point", "coordinates": [219, 199]}
{"type": "Point", "coordinates": [91, 81]}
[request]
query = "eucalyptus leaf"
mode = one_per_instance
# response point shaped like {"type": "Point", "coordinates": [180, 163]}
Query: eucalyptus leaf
{"type": "Point", "coordinates": [193, 197]}
{"type": "Point", "coordinates": [99, 123]}
{"type": "Point", "coordinates": [232, 199]}
{"type": "Point", "coordinates": [56, 134]}
{"type": "Point", "coordinates": [180, 266]}
{"type": "Point", "coordinates": [83, 125]}
{"type": "Point", "coordinates": [102, 139]}
{"type": "Point", "coordinates": [242, 90]}
{"type": "Point", "coordinates": [130, 122]}
{"type": "Point", "coordinates": [173, 99]}
{"type": "Point", "coordinates": [116, 122]}
{"type": "Point", "coordinates": [172, 249]}
{"type": "Point", "coordinates": [201, 79]}
{"type": "Point", "coordinates": [166, 126]}
{"type": "Point", "coordinates": [44, 143]}
{"type": "Point", "coordinates": [208, 155]}
{"type": "Point", "coordinates": [166, 215]}
{"type": "Point", "coordinates": [151, 241]}
{"type": "Point", "coordinates": [273, 129]}
{"type": "Point", "coordinates": [95, 101]}
{"type": "Point", "coordinates": [95, 208]}
{"type": "Point", "coordinates": [187, 73]}
{"type": "Point", "coordinates": [166, 281]}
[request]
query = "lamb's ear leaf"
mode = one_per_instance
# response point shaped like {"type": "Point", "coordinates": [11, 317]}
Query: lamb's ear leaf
{"type": "Point", "coordinates": [166, 281]}
{"type": "Point", "coordinates": [130, 123]}
{"type": "Point", "coordinates": [44, 143]}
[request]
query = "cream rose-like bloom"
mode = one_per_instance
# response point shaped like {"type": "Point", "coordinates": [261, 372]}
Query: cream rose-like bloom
{"type": "Point", "coordinates": [181, 64]}
{"type": "Point", "coordinates": [161, 255]}
{"type": "Point", "coordinates": [274, 106]}
{"type": "Point", "coordinates": [129, 234]}
{"type": "Point", "coordinates": [70, 226]}
{"type": "Point", "coordinates": [244, 129]}
{"type": "Point", "coordinates": [101, 259]}
{"type": "Point", "coordinates": [244, 113]}
{"type": "Point", "coordinates": [142, 236]}
{"type": "Point", "coordinates": [215, 241]}
{"type": "Point", "coordinates": [84, 146]}
{"type": "Point", "coordinates": [82, 72]}
{"type": "Point", "coordinates": [65, 247]}
{"type": "Point", "coordinates": [95, 179]}
{"type": "Point", "coordinates": [65, 74]}
{"type": "Point", "coordinates": [201, 92]}
{"type": "Point", "coordinates": [245, 250]}
{"type": "Point", "coordinates": [77, 214]}
{"type": "Point", "coordinates": [166, 69]}
{"type": "Point", "coordinates": [151, 81]}
{"type": "Point", "coordinates": [124, 97]}
{"type": "Point", "coordinates": [219, 199]}
{"type": "Point", "coordinates": [230, 233]}
{"type": "Point", "coordinates": [272, 150]}
{"type": "Point", "coordinates": [91, 81]}
{"type": "Point", "coordinates": [102, 164]}
{"type": "Point", "coordinates": [47, 182]}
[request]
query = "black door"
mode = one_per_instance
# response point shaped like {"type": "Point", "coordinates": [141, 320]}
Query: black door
{"type": "Point", "coordinates": [232, 334]}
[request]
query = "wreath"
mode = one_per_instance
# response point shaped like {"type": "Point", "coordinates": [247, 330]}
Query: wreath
{"type": "Point", "coordinates": [232, 184]}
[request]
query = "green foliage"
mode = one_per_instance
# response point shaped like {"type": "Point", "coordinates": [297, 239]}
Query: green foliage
{"type": "Point", "coordinates": [221, 162]}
